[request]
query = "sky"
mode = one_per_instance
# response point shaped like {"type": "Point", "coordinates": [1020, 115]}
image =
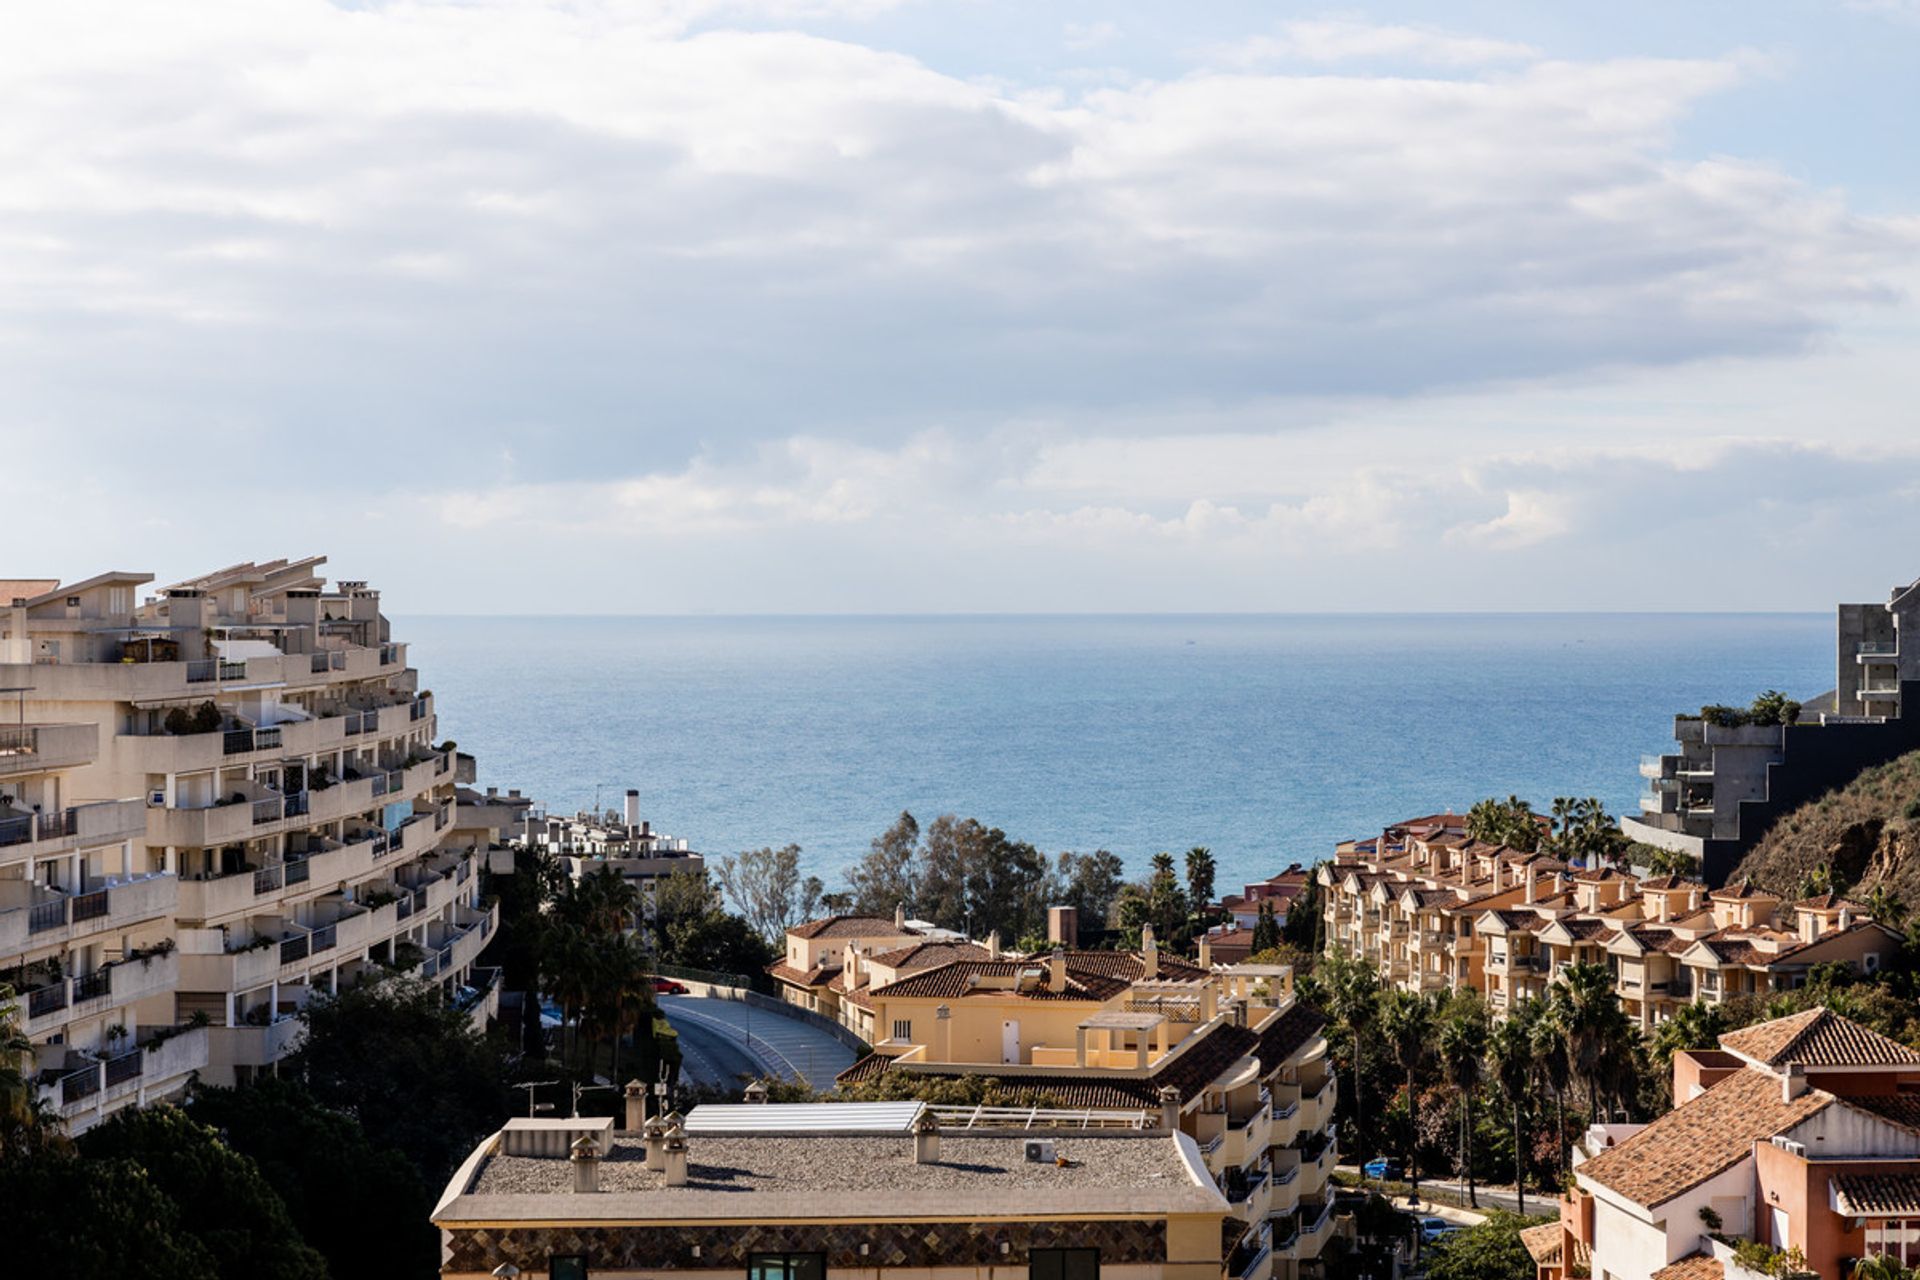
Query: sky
{"type": "Point", "coordinates": [796, 306]}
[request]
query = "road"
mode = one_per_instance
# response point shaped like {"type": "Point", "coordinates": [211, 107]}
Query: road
{"type": "Point", "coordinates": [723, 1040]}
{"type": "Point", "coordinates": [1539, 1200]}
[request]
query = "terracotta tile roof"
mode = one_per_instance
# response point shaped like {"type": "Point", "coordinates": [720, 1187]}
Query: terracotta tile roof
{"type": "Point", "coordinates": [1543, 1243]}
{"type": "Point", "coordinates": [1130, 966]}
{"type": "Point", "coordinates": [925, 955]}
{"type": "Point", "coordinates": [12, 589]}
{"type": "Point", "coordinates": [1878, 1195]}
{"type": "Point", "coordinates": [1902, 1109]}
{"type": "Point", "coordinates": [1827, 902]}
{"type": "Point", "coordinates": [1701, 1137]}
{"type": "Point", "coordinates": [1695, 1266]}
{"type": "Point", "coordinates": [1740, 892]}
{"type": "Point", "coordinates": [1664, 883]}
{"type": "Point", "coordinates": [850, 927]}
{"type": "Point", "coordinates": [1818, 1038]}
{"type": "Point", "coordinates": [955, 981]}
{"type": "Point", "coordinates": [1192, 1069]}
{"type": "Point", "coordinates": [1586, 928]}
{"type": "Point", "coordinates": [1598, 875]}
{"type": "Point", "coordinates": [781, 971]}
{"type": "Point", "coordinates": [1286, 1034]}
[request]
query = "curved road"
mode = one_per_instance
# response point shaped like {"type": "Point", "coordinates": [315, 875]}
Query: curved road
{"type": "Point", "coordinates": [722, 1041]}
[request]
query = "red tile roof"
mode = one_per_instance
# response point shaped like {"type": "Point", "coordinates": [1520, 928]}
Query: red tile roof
{"type": "Point", "coordinates": [1695, 1266]}
{"type": "Point", "coordinates": [851, 927]}
{"type": "Point", "coordinates": [958, 980]}
{"type": "Point", "coordinates": [1817, 1038]}
{"type": "Point", "coordinates": [1878, 1195]}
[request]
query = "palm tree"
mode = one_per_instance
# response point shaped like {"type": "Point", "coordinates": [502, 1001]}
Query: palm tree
{"type": "Point", "coordinates": [566, 963]}
{"type": "Point", "coordinates": [1406, 1028]}
{"type": "Point", "coordinates": [1463, 1049]}
{"type": "Point", "coordinates": [27, 1124]}
{"type": "Point", "coordinates": [1589, 1014]}
{"type": "Point", "coordinates": [1551, 1061]}
{"type": "Point", "coordinates": [1510, 1049]}
{"type": "Point", "coordinates": [1200, 870]}
{"type": "Point", "coordinates": [1353, 996]}
{"type": "Point", "coordinates": [1879, 1266]}
{"type": "Point", "coordinates": [1883, 904]}
{"type": "Point", "coordinates": [1692, 1026]}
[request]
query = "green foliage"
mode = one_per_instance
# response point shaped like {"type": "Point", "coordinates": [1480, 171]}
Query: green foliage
{"type": "Point", "coordinates": [1200, 869]}
{"type": "Point", "coordinates": [945, 1091]}
{"type": "Point", "coordinates": [220, 1198]}
{"type": "Point", "coordinates": [1511, 822]}
{"type": "Point", "coordinates": [1659, 861]}
{"type": "Point", "coordinates": [1266, 929]}
{"type": "Point", "coordinates": [73, 1217]}
{"type": "Point", "coordinates": [1769, 1261]}
{"type": "Point", "coordinates": [1695, 1026]}
{"type": "Point", "coordinates": [340, 1188]}
{"type": "Point", "coordinates": [765, 887]}
{"type": "Point", "coordinates": [410, 1068]}
{"type": "Point", "coordinates": [1491, 1250]}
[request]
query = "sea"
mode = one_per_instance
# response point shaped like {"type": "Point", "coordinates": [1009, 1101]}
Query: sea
{"type": "Point", "coordinates": [1265, 738]}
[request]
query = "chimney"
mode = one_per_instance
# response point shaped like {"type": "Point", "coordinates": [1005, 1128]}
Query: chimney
{"type": "Point", "coordinates": [900, 916]}
{"type": "Point", "coordinates": [993, 945]}
{"type": "Point", "coordinates": [755, 1093]}
{"type": "Point", "coordinates": [942, 1033]}
{"type": "Point", "coordinates": [1533, 883]}
{"type": "Point", "coordinates": [926, 1137]}
{"type": "Point", "coordinates": [654, 1139]}
{"type": "Point", "coordinates": [1794, 1083]}
{"type": "Point", "coordinates": [1209, 1001]}
{"type": "Point", "coordinates": [1057, 971]}
{"type": "Point", "coordinates": [1206, 952]}
{"type": "Point", "coordinates": [632, 813]}
{"type": "Point", "coordinates": [636, 1096]}
{"type": "Point", "coordinates": [850, 970]}
{"type": "Point", "coordinates": [1169, 1108]}
{"type": "Point", "coordinates": [585, 1157]}
{"type": "Point", "coordinates": [1809, 926]}
{"type": "Point", "coordinates": [1846, 918]}
{"type": "Point", "coordinates": [676, 1158]}
{"type": "Point", "coordinates": [1149, 953]}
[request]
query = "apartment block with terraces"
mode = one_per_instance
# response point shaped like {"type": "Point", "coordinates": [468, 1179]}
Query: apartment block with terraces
{"type": "Point", "coordinates": [216, 802]}
{"type": "Point", "coordinates": [1223, 1054]}
{"type": "Point", "coordinates": [1439, 911]}
{"type": "Point", "coordinates": [1799, 1134]}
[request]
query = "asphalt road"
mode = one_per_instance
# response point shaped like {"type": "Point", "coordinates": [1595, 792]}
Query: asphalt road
{"type": "Point", "coordinates": [1539, 1199]}
{"type": "Point", "coordinates": [723, 1040]}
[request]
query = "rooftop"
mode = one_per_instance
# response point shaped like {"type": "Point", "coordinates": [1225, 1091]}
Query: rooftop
{"type": "Point", "coordinates": [1817, 1038]}
{"type": "Point", "coordinates": [791, 1176]}
{"type": "Point", "coordinates": [851, 927]}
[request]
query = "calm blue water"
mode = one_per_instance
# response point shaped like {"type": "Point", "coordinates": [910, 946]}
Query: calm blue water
{"type": "Point", "coordinates": [1267, 738]}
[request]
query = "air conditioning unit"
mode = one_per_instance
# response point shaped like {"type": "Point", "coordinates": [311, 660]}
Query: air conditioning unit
{"type": "Point", "coordinates": [156, 799]}
{"type": "Point", "coordinates": [1039, 1151]}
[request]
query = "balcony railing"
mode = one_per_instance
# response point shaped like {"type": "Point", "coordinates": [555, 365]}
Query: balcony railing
{"type": "Point", "coordinates": [1879, 648]}
{"type": "Point", "coordinates": [325, 938]}
{"type": "Point", "coordinates": [294, 948]}
{"type": "Point", "coordinates": [89, 906]}
{"type": "Point", "coordinates": [43, 916]}
{"type": "Point", "coordinates": [269, 879]}
{"type": "Point", "coordinates": [269, 810]}
{"type": "Point", "coordinates": [297, 870]}
{"type": "Point", "coordinates": [27, 828]}
{"type": "Point", "coordinates": [127, 1066]}
{"type": "Point", "coordinates": [47, 1000]}
{"type": "Point", "coordinates": [80, 1084]}
{"type": "Point", "coordinates": [91, 986]}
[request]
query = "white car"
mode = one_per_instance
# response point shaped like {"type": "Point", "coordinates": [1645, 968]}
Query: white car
{"type": "Point", "coordinates": [1434, 1230]}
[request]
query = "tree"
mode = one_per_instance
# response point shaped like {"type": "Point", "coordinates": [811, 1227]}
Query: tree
{"type": "Point", "coordinates": [679, 900]}
{"type": "Point", "coordinates": [1554, 1067]}
{"type": "Point", "coordinates": [1266, 930]}
{"type": "Point", "coordinates": [340, 1188]}
{"type": "Point", "coordinates": [1588, 1013]}
{"type": "Point", "coordinates": [221, 1198]}
{"type": "Point", "coordinates": [1879, 1266]}
{"type": "Point", "coordinates": [1089, 883]}
{"type": "Point", "coordinates": [1463, 1048]}
{"type": "Point", "coordinates": [26, 1126]}
{"type": "Point", "coordinates": [764, 885]}
{"type": "Point", "coordinates": [411, 1068]}
{"type": "Point", "coordinates": [887, 877]}
{"type": "Point", "coordinates": [1694, 1026]}
{"type": "Point", "coordinates": [1510, 1055]}
{"type": "Point", "coordinates": [1490, 1250]}
{"type": "Point", "coordinates": [1352, 989]}
{"type": "Point", "coordinates": [1406, 1031]}
{"type": "Point", "coordinates": [1511, 822]}
{"type": "Point", "coordinates": [1200, 871]}
{"type": "Point", "coordinates": [73, 1217]}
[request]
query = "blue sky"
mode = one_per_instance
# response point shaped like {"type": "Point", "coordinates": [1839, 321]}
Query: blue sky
{"type": "Point", "coordinates": [894, 305]}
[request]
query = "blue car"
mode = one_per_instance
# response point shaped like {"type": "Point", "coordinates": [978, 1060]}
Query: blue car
{"type": "Point", "coordinates": [1382, 1169]}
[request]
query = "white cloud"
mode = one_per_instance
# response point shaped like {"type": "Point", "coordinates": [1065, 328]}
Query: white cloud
{"type": "Point", "coordinates": [1332, 40]}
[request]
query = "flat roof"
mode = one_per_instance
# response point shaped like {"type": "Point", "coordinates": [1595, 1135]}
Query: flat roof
{"type": "Point", "coordinates": [1116, 1020]}
{"type": "Point", "coordinates": [804, 1117]}
{"type": "Point", "coordinates": [792, 1177]}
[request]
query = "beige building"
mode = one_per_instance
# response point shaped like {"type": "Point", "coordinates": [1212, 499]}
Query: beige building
{"type": "Point", "coordinates": [216, 802]}
{"type": "Point", "coordinates": [1221, 1054]}
{"type": "Point", "coordinates": [624, 841]}
{"type": "Point", "coordinates": [811, 1190]}
{"type": "Point", "coordinates": [1436, 910]}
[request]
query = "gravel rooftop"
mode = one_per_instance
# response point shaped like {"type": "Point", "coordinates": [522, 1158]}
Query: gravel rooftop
{"type": "Point", "coordinates": [801, 1163]}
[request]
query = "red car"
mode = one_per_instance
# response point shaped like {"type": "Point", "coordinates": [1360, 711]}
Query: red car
{"type": "Point", "coordinates": [668, 987]}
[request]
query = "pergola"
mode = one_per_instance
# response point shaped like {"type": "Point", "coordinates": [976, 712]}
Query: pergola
{"type": "Point", "coordinates": [1114, 1024]}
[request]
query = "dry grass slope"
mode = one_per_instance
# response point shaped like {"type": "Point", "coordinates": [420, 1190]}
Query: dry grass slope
{"type": "Point", "coordinates": [1868, 832]}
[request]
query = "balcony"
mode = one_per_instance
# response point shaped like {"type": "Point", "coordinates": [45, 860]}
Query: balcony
{"type": "Point", "coordinates": [83, 826]}
{"type": "Point", "coordinates": [257, 1045]}
{"type": "Point", "coordinates": [53, 918]}
{"type": "Point", "coordinates": [1252, 1259]}
{"type": "Point", "coordinates": [1316, 1226]}
{"type": "Point", "coordinates": [54, 1004]}
{"type": "Point", "coordinates": [1880, 689]}
{"type": "Point", "coordinates": [1877, 650]}
{"type": "Point", "coordinates": [40, 748]}
{"type": "Point", "coordinates": [201, 678]}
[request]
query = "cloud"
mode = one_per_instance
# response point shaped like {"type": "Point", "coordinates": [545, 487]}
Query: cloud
{"type": "Point", "coordinates": [1080, 36]}
{"type": "Point", "coordinates": [1346, 40]}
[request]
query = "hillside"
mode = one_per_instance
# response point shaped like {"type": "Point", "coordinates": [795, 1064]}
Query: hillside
{"type": "Point", "coordinates": [1868, 831]}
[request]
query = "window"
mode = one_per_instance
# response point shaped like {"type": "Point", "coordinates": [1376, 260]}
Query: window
{"type": "Point", "coordinates": [1063, 1264]}
{"type": "Point", "coordinates": [903, 1029]}
{"type": "Point", "coordinates": [571, 1266]}
{"type": "Point", "coordinates": [786, 1266]}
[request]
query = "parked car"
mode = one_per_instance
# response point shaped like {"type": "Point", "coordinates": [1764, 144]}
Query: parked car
{"type": "Point", "coordinates": [1382, 1169]}
{"type": "Point", "coordinates": [668, 987]}
{"type": "Point", "coordinates": [1434, 1230]}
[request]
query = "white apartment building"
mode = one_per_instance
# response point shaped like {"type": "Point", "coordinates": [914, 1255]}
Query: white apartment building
{"type": "Point", "coordinates": [627, 843]}
{"type": "Point", "coordinates": [215, 804]}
